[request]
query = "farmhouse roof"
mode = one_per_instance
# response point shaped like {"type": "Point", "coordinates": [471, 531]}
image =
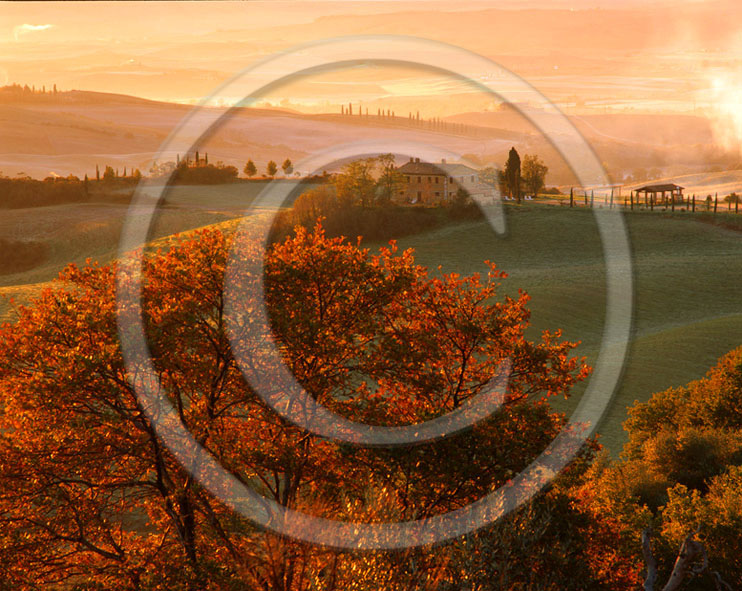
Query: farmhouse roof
{"type": "Point", "coordinates": [441, 168]}
{"type": "Point", "coordinates": [658, 188]}
{"type": "Point", "coordinates": [457, 169]}
{"type": "Point", "coordinates": [418, 167]}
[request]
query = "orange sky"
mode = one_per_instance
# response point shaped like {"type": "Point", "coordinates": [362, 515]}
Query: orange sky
{"type": "Point", "coordinates": [583, 54]}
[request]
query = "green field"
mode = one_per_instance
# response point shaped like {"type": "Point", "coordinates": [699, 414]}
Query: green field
{"type": "Point", "coordinates": [686, 274]}
{"type": "Point", "coordinates": [687, 279]}
{"type": "Point", "coordinates": [77, 231]}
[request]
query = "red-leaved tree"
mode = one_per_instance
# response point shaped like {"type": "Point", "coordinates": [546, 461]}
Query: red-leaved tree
{"type": "Point", "coordinates": [90, 497]}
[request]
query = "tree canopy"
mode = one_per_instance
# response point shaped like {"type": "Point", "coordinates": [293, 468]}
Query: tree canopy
{"type": "Point", "coordinates": [681, 472]}
{"type": "Point", "coordinates": [250, 169]}
{"type": "Point", "coordinates": [512, 175]}
{"type": "Point", "coordinates": [534, 174]}
{"type": "Point", "coordinates": [287, 167]}
{"type": "Point", "coordinates": [91, 498]}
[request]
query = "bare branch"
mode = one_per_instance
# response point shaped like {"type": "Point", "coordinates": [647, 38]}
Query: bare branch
{"type": "Point", "coordinates": [690, 551]}
{"type": "Point", "coordinates": [721, 584]}
{"type": "Point", "coordinates": [649, 560]}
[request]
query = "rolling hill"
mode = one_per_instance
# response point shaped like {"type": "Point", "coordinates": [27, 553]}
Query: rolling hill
{"type": "Point", "coordinates": [79, 130]}
{"type": "Point", "coordinates": [687, 307]}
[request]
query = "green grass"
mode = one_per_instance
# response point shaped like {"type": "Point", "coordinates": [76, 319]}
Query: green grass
{"type": "Point", "coordinates": [687, 285]}
{"type": "Point", "coordinates": [686, 272]}
{"type": "Point", "coordinates": [74, 232]}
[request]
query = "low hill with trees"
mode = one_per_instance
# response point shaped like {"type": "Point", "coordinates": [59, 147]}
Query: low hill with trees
{"type": "Point", "coordinates": [358, 201]}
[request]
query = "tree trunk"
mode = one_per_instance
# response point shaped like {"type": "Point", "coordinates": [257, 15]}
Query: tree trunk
{"type": "Point", "coordinates": [686, 563]}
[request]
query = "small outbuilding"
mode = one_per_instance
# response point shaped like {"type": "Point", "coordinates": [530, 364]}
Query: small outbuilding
{"type": "Point", "coordinates": [670, 193]}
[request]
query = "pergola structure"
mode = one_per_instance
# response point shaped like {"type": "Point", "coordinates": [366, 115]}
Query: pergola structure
{"type": "Point", "coordinates": [668, 190]}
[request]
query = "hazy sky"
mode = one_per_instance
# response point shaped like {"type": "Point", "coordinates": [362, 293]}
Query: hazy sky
{"type": "Point", "coordinates": [590, 57]}
{"type": "Point", "coordinates": [588, 54]}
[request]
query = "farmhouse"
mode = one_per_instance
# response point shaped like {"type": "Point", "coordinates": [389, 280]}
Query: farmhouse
{"type": "Point", "coordinates": [427, 183]}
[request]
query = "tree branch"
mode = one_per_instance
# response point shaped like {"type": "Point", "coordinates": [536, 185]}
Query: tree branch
{"type": "Point", "coordinates": [690, 551]}
{"type": "Point", "coordinates": [685, 564]}
{"type": "Point", "coordinates": [649, 560]}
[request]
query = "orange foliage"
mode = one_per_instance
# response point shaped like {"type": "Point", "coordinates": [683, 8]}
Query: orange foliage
{"type": "Point", "coordinates": [90, 496]}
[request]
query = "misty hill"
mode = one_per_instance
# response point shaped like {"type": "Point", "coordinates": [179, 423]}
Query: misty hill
{"type": "Point", "coordinates": [74, 131]}
{"type": "Point", "coordinates": [81, 129]}
{"type": "Point", "coordinates": [645, 129]}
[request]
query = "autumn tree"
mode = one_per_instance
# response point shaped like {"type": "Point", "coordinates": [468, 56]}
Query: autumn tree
{"type": "Point", "coordinates": [271, 168]}
{"type": "Point", "coordinates": [534, 174]}
{"type": "Point", "coordinates": [680, 475]}
{"type": "Point", "coordinates": [91, 497]}
{"type": "Point", "coordinates": [250, 169]}
{"type": "Point", "coordinates": [109, 175]}
{"type": "Point", "coordinates": [287, 167]}
{"type": "Point", "coordinates": [355, 183]}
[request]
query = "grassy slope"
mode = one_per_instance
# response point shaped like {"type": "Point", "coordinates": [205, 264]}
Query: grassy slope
{"type": "Point", "coordinates": [75, 232]}
{"type": "Point", "coordinates": [688, 293]}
